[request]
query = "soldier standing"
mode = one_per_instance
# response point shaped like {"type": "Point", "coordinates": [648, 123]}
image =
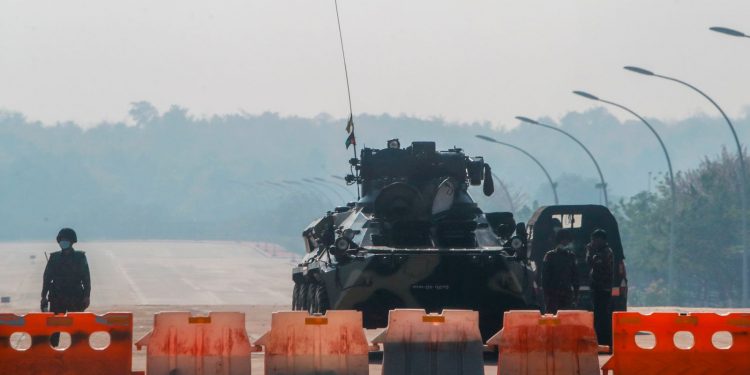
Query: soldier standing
{"type": "Point", "coordinates": [601, 260]}
{"type": "Point", "coordinates": [67, 282]}
{"type": "Point", "coordinates": [560, 275]}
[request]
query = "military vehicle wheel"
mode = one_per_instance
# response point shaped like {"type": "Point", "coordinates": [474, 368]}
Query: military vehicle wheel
{"type": "Point", "coordinates": [312, 302]}
{"type": "Point", "coordinates": [321, 299]}
{"type": "Point", "coordinates": [295, 297]}
{"type": "Point", "coordinates": [302, 298]}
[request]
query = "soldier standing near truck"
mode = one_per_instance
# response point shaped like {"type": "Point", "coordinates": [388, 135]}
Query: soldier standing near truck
{"type": "Point", "coordinates": [560, 275]}
{"type": "Point", "coordinates": [601, 260]}
{"type": "Point", "coordinates": [67, 282]}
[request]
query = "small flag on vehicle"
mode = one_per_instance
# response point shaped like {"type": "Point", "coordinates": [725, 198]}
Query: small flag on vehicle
{"type": "Point", "coordinates": [350, 124]}
{"type": "Point", "coordinates": [350, 140]}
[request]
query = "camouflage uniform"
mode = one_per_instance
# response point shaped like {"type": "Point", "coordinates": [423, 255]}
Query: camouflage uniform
{"type": "Point", "coordinates": [67, 283]}
{"type": "Point", "coordinates": [601, 261]}
{"type": "Point", "coordinates": [559, 280]}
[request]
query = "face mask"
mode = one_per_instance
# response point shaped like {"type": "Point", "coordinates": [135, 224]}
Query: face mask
{"type": "Point", "coordinates": [65, 244]}
{"type": "Point", "coordinates": [568, 246]}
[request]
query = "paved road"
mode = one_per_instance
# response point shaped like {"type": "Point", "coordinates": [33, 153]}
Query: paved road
{"type": "Point", "coordinates": [158, 273]}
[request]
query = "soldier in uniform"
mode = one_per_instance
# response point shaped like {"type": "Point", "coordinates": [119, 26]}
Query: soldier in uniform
{"type": "Point", "coordinates": [560, 275]}
{"type": "Point", "coordinates": [601, 260]}
{"type": "Point", "coordinates": [67, 282]}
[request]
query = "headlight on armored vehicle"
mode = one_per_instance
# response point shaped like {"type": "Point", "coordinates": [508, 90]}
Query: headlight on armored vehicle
{"type": "Point", "coordinates": [340, 246]}
{"type": "Point", "coordinates": [516, 243]}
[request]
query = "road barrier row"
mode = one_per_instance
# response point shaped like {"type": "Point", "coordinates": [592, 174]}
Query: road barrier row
{"type": "Point", "coordinates": [413, 343]}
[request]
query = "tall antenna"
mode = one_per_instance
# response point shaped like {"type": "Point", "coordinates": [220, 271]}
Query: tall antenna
{"type": "Point", "coordinates": [351, 139]}
{"type": "Point", "coordinates": [343, 56]}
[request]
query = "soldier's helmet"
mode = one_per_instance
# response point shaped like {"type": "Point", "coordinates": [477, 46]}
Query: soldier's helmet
{"type": "Point", "coordinates": [599, 233]}
{"type": "Point", "coordinates": [67, 234]}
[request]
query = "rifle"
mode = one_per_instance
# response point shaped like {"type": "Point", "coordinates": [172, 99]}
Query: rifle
{"type": "Point", "coordinates": [45, 303]}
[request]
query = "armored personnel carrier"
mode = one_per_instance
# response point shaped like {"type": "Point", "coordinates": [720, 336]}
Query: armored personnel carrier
{"type": "Point", "coordinates": [416, 239]}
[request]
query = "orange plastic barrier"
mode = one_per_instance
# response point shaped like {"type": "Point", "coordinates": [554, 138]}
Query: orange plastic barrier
{"type": "Point", "coordinates": [666, 357]}
{"type": "Point", "coordinates": [532, 343]}
{"type": "Point", "coordinates": [417, 343]}
{"type": "Point", "coordinates": [299, 343]}
{"type": "Point", "coordinates": [80, 357]}
{"type": "Point", "coordinates": [216, 344]}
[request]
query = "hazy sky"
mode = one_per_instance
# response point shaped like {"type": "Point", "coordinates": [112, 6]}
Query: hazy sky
{"type": "Point", "coordinates": [464, 60]}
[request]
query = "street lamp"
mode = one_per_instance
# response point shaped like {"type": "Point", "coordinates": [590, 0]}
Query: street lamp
{"type": "Point", "coordinates": [670, 251]}
{"type": "Point", "coordinates": [282, 189]}
{"type": "Point", "coordinates": [277, 187]}
{"type": "Point", "coordinates": [742, 177]}
{"type": "Point", "coordinates": [552, 184]}
{"type": "Point", "coordinates": [335, 177]}
{"type": "Point", "coordinates": [506, 191]}
{"type": "Point", "coordinates": [728, 31]}
{"type": "Point", "coordinates": [302, 191]}
{"type": "Point", "coordinates": [602, 183]}
{"type": "Point", "coordinates": [332, 190]}
{"type": "Point", "coordinates": [331, 183]}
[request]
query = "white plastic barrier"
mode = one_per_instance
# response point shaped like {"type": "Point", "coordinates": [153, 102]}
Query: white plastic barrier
{"type": "Point", "coordinates": [216, 344]}
{"type": "Point", "coordinates": [416, 343]}
{"type": "Point", "coordinates": [299, 343]}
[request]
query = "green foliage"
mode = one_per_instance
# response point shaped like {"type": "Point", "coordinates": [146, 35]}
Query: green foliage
{"type": "Point", "coordinates": [707, 255]}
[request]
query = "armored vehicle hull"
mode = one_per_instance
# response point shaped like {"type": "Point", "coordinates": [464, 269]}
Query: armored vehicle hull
{"type": "Point", "coordinates": [488, 281]}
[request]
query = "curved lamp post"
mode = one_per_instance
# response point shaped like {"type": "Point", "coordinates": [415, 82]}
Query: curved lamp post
{"type": "Point", "coordinates": [598, 170]}
{"type": "Point", "coordinates": [335, 177]}
{"type": "Point", "coordinates": [506, 191]}
{"type": "Point", "coordinates": [337, 186]}
{"type": "Point", "coordinates": [266, 194]}
{"type": "Point", "coordinates": [552, 184]}
{"type": "Point", "coordinates": [742, 174]}
{"type": "Point", "coordinates": [332, 190]}
{"type": "Point", "coordinates": [728, 31]}
{"type": "Point", "coordinates": [281, 189]}
{"type": "Point", "coordinates": [302, 191]}
{"type": "Point", "coordinates": [673, 190]}
{"type": "Point", "coordinates": [276, 187]}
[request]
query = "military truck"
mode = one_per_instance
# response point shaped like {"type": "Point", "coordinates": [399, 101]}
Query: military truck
{"type": "Point", "coordinates": [581, 221]}
{"type": "Point", "coordinates": [416, 239]}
